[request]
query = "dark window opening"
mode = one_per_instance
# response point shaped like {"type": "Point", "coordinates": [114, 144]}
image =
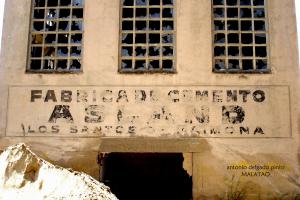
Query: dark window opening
{"type": "Point", "coordinates": [219, 51]}
{"type": "Point", "coordinates": [56, 32]}
{"type": "Point", "coordinates": [148, 31]}
{"type": "Point", "coordinates": [240, 36]}
{"type": "Point", "coordinates": [147, 176]}
{"type": "Point", "coordinates": [232, 12]}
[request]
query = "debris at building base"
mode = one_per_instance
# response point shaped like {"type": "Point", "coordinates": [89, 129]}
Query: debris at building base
{"type": "Point", "coordinates": [23, 175]}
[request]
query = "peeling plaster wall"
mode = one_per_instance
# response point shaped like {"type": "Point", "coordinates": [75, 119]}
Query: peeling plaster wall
{"type": "Point", "coordinates": [211, 157]}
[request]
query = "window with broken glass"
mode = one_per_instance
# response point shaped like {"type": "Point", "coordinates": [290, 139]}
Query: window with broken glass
{"type": "Point", "coordinates": [147, 36]}
{"type": "Point", "coordinates": [240, 36]}
{"type": "Point", "coordinates": [56, 36]}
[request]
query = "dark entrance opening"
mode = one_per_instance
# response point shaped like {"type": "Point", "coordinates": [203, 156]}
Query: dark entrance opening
{"type": "Point", "coordinates": [147, 176]}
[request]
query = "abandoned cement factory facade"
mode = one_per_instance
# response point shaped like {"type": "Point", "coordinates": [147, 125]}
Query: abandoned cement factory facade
{"type": "Point", "coordinates": [198, 98]}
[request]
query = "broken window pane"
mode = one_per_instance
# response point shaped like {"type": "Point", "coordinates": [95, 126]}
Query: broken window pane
{"type": "Point", "coordinates": [154, 51]}
{"type": "Point", "coordinates": [64, 13]}
{"type": "Point", "coordinates": [219, 25]}
{"type": "Point", "coordinates": [167, 38]}
{"type": "Point", "coordinates": [50, 26]}
{"type": "Point", "coordinates": [76, 51]}
{"type": "Point", "coordinates": [141, 12]}
{"type": "Point", "coordinates": [37, 39]}
{"type": "Point", "coordinates": [247, 51]}
{"type": "Point", "coordinates": [140, 38]}
{"type": "Point", "coordinates": [50, 38]}
{"type": "Point", "coordinates": [258, 2]}
{"type": "Point", "coordinates": [219, 12]}
{"type": "Point", "coordinates": [39, 14]}
{"type": "Point", "coordinates": [127, 38]}
{"type": "Point", "coordinates": [231, 2]}
{"type": "Point", "coordinates": [77, 26]}
{"type": "Point", "coordinates": [63, 38]}
{"type": "Point", "coordinates": [247, 38]}
{"type": "Point", "coordinates": [51, 14]}
{"type": "Point", "coordinates": [36, 51]}
{"type": "Point", "coordinates": [75, 64]}
{"type": "Point", "coordinates": [140, 25]}
{"type": "Point", "coordinates": [219, 51]}
{"type": "Point", "coordinates": [52, 3]}
{"type": "Point", "coordinates": [140, 51]}
{"type": "Point", "coordinates": [233, 25]}
{"type": "Point", "coordinates": [245, 2]}
{"type": "Point", "coordinates": [233, 51]}
{"type": "Point", "coordinates": [218, 2]}
{"type": "Point", "coordinates": [260, 39]}
{"type": "Point", "coordinates": [167, 13]}
{"type": "Point", "coordinates": [246, 25]}
{"type": "Point", "coordinates": [259, 12]}
{"type": "Point", "coordinates": [141, 2]}
{"type": "Point", "coordinates": [62, 64]}
{"type": "Point", "coordinates": [63, 26]}
{"type": "Point", "coordinates": [127, 2]}
{"type": "Point", "coordinates": [39, 3]}
{"type": "Point", "coordinates": [126, 64]}
{"type": "Point", "coordinates": [127, 13]}
{"type": "Point", "coordinates": [49, 64]}
{"type": "Point", "coordinates": [261, 51]}
{"type": "Point", "coordinates": [78, 2]}
{"type": "Point", "coordinates": [168, 25]}
{"type": "Point", "coordinates": [154, 38]}
{"type": "Point", "coordinates": [219, 65]}
{"type": "Point", "coordinates": [233, 38]}
{"type": "Point", "coordinates": [154, 12]}
{"type": "Point", "coordinates": [49, 51]}
{"type": "Point", "coordinates": [38, 26]}
{"type": "Point", "coordinates": [140, 64]}
{"type": "Point", "coordinates": [261, 64]}
{"type": "Point", "coordinates": [154, 25]}
{"type": "Point", "coordinates": [233, 64]}
{"type": "Point", "coordinates": [167, 64]}
{"type": "Point", "coordinates": [77, 13]}
{"type": "Point", "coordinates": [127, 25]}
{"type": "Point", "coordinates": [35, 64]}
{"type": "Point", "coordinates": [246, 13]}
{"type": "Point", "coordinates": [126, 51]}
{"type": "Point", "coordinates": [65, 3]}
{"type": "Point", "coordinates": [76, 38]}
{"type": "Point", "coordinates": [168, 2]}
{"type": "Point", "coordinates": [232, 12]}
{"type": "Point", "coordinates": [220, 38]}
{"type": "Point", "coordinates": [62, 51]}
{"type": "Point", "coordinates": [154, 2]}
{"type": "Point", "coordinates": [247, 64]}
{"type": "Point", "coordinates": [167, 51]}
{"type": "Point", "coordinates": [154, 64]}
{"type": "Point", "coordinates": [259, 25]}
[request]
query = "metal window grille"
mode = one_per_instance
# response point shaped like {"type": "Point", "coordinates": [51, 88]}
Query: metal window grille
{"type": "Point", "coordinates": [240, 36]}
{"type": "Point", "coordinates": [55, 43]}
{"type": "Point", "coordinates": [147, 36]}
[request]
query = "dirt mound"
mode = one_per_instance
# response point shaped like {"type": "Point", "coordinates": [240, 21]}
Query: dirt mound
{"type": "Point", "coordinates": [23, 175]}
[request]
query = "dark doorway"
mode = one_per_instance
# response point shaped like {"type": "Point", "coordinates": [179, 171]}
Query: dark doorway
{"type": "Point", "coordinates": [147, 176]}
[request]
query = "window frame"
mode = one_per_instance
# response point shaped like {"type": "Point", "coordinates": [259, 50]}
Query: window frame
{"type": "Point", "coordinates": [268, 70]}
{"type": "Point", "coordinates": [147, 57]}
{"type": "Point", "coordinates": [29, 70]}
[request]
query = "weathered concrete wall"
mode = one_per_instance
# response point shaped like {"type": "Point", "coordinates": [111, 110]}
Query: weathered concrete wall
{"type": "Point", "coordinates": [214, 158]}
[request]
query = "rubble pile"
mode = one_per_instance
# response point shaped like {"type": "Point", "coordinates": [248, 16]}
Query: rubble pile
{"type": "Point", "coordinates": [23, 175]}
